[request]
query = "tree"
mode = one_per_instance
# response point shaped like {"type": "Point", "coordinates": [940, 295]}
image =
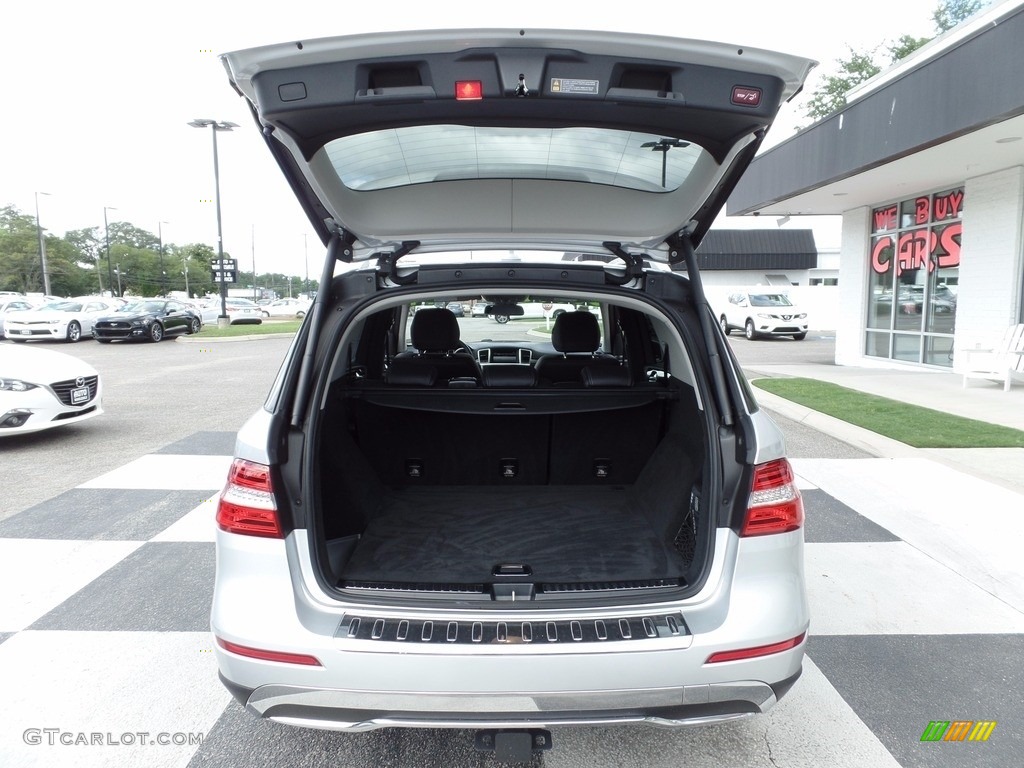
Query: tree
{"type": "Point", "coordinates": [952, 12]}
{"type": "Point", "coordinates": [831, 95]}
{"type": "Point", "coordinates": [196, 258]}
{"type": "Point", "coordinates": [87, 244]}
{"type": "Point", "coordinates": [20, 266]}
{"type": "Point", "coordinates": [904, 46]}
{"type": "Point", "coordinates": [126, 233]}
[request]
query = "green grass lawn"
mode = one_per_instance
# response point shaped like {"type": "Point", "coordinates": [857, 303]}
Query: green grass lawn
{"type": "Point", "coordinates": [212, 331]}
{"type": "Point", "coordinates": [910, 424]}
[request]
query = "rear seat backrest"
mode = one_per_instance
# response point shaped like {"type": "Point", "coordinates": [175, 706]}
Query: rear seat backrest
{"type": "Point", "coordinates": [435, 337]}
{"type": "Point", "coordinates": [509, 375]}
{"type": "Point", "coordinates": [577, 337]}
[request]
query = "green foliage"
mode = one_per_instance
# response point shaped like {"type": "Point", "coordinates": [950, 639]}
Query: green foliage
{"type": "Point", "coordinates": [904, 46]}
{"type": "Point", "coordinates": [77, 263]}
{"type": "Point", "coordinates": [831, 95]}
{"type": "Point", "coordinates": [952, 12]}
{"type": "Point", "coordinates": [246, 329]}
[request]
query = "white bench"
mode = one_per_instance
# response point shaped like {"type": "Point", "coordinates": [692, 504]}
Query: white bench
{"type": "Point", "coordinates": [1003, 363]}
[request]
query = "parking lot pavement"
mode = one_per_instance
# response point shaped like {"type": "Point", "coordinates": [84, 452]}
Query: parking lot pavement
{"type": "Point", "coordinates": [917, 617]}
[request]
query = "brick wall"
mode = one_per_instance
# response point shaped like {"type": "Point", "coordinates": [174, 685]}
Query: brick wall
{"type": "Point", "coordinates": [853, 287]}
{"type": "Point", "coordinates": [989, 295]}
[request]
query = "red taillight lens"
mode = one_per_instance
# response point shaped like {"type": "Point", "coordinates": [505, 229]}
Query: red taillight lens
{"type": "Point", "coordinates": [264, 655]}
{"type": "Point", "coordinates": [247, 504]}
{"type": "Point", "coordinates": [775, 505]}
{"type": "Point", "coordinates": [469, 90]}
{"type": "Point", "coordinates": [753, 653]}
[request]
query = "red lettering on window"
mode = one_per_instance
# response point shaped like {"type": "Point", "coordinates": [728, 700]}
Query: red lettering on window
{"type": "Point", "coordinates": [885, 218]}
{"type": "Point", "coordinates": [948, 206]}
{"type": "Point", "coordinates": [922, 207]}
{"type": "Point", "coordinates": [948, 250]}
{"type": "Point", "coordinates": [912, 250]}
{"type": "Point", "coordinates": [881, 255]}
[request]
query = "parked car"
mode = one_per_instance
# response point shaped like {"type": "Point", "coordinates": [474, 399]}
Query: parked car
{"type": "Point", "coordinates": [763, 312]}
{"type": "Point", "coordinates": [207, 309]}
{"type": "Point", "coordinates": [286, 308]}
{"type": "Point", "coordinates": [41, 389]}
{"type": "Point", "coordinates": [910, 300]}
{"type": "Point", "coordinates": [242, 311]}
{"type": "Point", "coordinates": [530, 310]}
{"type": "Point", "coordinates": [625, 545]}
{"type": "Point", "coordinates": [68, 320]}
{"type": "Point", "coordinates": [12, 303]}
{"type": "Point", "coordinates": [149, 319]}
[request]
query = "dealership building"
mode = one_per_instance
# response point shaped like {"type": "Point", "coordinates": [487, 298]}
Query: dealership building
{"type": "Point", "coordinates": [925, 165]}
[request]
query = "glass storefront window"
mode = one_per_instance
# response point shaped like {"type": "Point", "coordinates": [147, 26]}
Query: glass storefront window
{"type": "Point", "coordinates": [938, 350]}
{"type": "Point", "coordinates": [914, 271]}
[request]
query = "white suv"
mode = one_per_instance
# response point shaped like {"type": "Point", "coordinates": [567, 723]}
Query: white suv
{"type": "Point", "coordinates": [517, 530]}
{"type": "Point", "coordinates": [763, 312]}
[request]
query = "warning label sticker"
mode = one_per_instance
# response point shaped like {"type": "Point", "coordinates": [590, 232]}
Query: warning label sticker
{"type": "Point", "coordinates": [575, 85]}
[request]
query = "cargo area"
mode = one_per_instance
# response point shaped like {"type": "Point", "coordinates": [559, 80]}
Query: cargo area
{"type": "Point", "coordinates": [465, 492]}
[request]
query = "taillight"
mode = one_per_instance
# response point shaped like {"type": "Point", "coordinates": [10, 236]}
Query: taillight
{"type": "Point", "coordinates": [775, 505]}
{"type": "Point", "coordinates": [264, 655]}
{"type": "Point", "coordinates": [247, 504]}
{"type": "Point", "coordinates": [755, 652]}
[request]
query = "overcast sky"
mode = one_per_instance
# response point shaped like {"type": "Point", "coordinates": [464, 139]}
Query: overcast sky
{"type": "Point", "coordinates": [98, 95]}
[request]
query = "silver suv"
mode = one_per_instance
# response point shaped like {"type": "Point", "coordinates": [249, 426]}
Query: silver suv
{"type": "Point", "coordinates": [439, 521]}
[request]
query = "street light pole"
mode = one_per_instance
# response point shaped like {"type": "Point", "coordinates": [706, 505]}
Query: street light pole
{"type": "Point", "coordinates": [663, 146]}
{"type": "Point", "coordinates": [253, 241]}
{"type": "Point", "coordinates": [106, 235]}
{"type": "Point", "coordinates": [215, 126]}
{"type": "Point", "coordinates": [42, 247]}
{"type": "Point", "coordinates": [163, 275]}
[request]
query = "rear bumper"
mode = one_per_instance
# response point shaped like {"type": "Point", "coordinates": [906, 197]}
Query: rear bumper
{"type": "Point", "coordinates": [261, 601]}
{"type": "Point", "coordinates": [356, 711]}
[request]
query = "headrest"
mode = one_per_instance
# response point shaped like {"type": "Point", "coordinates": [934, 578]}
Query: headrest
{"type": "Point", "coordinates": [410, 372]}
{"type": "Point", "coordinates": [576, 332]}
{"type": "Point", "coordinates": [435, 329]}
{"type": "Point", "coordinates": [606, 376]}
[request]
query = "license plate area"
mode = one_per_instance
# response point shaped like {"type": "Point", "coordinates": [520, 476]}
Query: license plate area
{"type": "Point", "coordinates": [79, 395]}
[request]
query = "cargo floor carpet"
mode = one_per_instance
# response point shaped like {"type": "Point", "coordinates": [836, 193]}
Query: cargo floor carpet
{"type": "Point", "coordinates": [564, 534]}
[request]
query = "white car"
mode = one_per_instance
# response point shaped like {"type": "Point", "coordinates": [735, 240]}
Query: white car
{"type": "Point", "coordinates": [67, 320]}
{"type": "Point", "coordinates": [40, 389]}
{"type": "Point", "coordinates": [286, 308]}
{"type": "Point", "coordinates": [243, 311]}
{"type": "Point", "coordinates": [12, 303]}
{"type": "Point", "coordinates": [763, 312]}
{"type": "Point", "coordinates": [530, 310]}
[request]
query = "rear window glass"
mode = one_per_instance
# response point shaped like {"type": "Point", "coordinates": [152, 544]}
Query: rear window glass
{"type": "Point", "coordinates": [422, 154]}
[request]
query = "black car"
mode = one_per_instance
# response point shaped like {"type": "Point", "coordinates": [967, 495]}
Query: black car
{"type": "Point", "coordinates": [149, 319]}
